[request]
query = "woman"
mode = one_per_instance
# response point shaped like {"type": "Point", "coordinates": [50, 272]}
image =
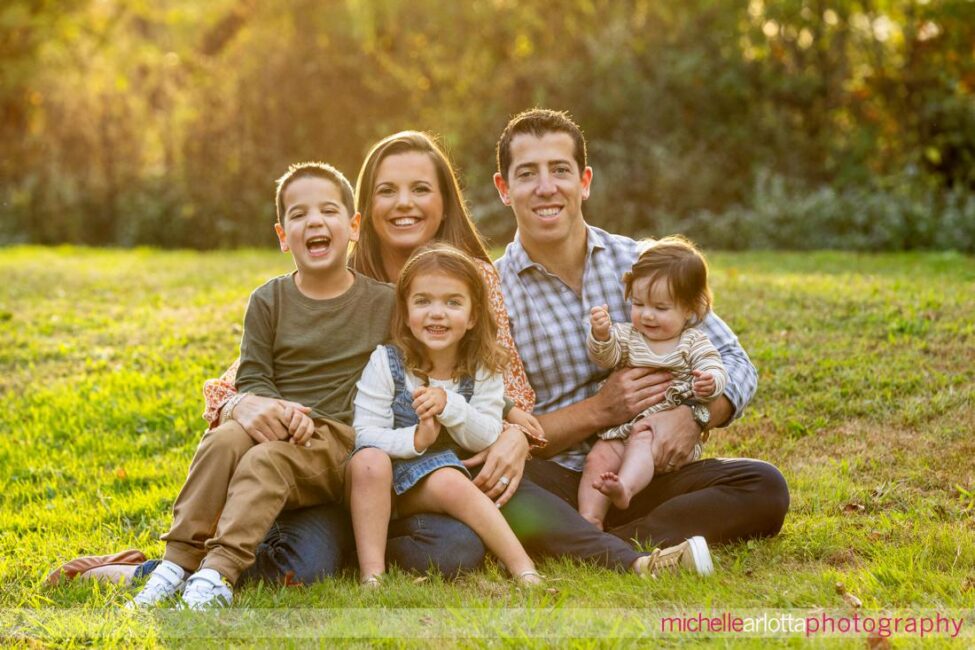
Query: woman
{"type": "Point", "coordinates": [408, 196]}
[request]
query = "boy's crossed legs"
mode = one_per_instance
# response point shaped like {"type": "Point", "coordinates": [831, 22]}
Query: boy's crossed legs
{"type": "Point", "coordinates": [614, 472]}
{"type": "Point", "coordinates": [233, 493]}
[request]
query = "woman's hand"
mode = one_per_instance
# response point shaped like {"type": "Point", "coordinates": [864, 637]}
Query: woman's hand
{"type": "Point", "coordinates": [503, 465]}
{"type": "Point", "coordinates": [266, 418]}
{"type": "Point", "coordinates": [301, 427]}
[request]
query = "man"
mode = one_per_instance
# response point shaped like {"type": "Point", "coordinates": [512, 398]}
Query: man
{"type": "Point", "coordinates": [555, 270]}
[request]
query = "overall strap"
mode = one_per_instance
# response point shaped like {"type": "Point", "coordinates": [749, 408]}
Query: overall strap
{"type": "Point", "coordinates": [466, 388]}
{"type": "Point", "coordinates": [396, 368]}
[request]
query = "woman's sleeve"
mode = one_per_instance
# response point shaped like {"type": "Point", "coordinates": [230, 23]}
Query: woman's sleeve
{"type": "Point", "coordinates": [373, 419]}
{"type": "Point", "coordinates": [516, 384]}
{"type": "Point", "coordinates": [475, 425]}
{"type": "Point", "coordinates": [216, 392]}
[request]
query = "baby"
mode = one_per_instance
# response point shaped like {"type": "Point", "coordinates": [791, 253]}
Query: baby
{"type": "Point", "coordinates": [668, 288]}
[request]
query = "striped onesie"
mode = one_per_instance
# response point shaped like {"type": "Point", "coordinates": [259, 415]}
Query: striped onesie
{"type": "Point", "coordinates": [627, 347]}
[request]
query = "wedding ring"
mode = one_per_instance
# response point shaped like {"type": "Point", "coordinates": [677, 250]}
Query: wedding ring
{"type": "Point", "coordinates": [504, 480]}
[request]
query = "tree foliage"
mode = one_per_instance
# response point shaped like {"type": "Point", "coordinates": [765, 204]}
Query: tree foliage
{"type": "Point", "coordinates": [165, 122]}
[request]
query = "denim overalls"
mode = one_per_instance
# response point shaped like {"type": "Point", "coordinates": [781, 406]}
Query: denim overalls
{"type": "Point", "coordinates": [443, 452]}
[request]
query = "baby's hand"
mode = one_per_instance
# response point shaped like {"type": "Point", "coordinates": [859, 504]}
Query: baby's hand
{"type": "Point", "coordinates": [703, 384]}
{"type": "Point", "coordinates": [301, 427]}
{"type": "Point", "coordinates": [426, 433]}
{"type": "Point", "coordinates": [599, 318]}
{"type": "Point", "coordinates": [429, 401]}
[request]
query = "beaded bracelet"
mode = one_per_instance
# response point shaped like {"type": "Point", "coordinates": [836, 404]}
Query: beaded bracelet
{"type": "Point", "coordinates": [227, 412]}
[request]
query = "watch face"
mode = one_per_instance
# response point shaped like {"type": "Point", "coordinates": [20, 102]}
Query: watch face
{"type": "Point", "coordinates": [701, 414]}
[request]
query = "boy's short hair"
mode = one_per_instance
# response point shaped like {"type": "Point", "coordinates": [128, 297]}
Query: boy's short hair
{"type": "Point", "coordinates": [314, 170]}
{"type": "Point", "coordinates": [678, 262]}
{"type": "Point", "coordinates": [538, 122]}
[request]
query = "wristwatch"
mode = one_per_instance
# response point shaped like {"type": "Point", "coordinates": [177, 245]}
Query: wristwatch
{"type": "Point", "coordinates": [702, 416]}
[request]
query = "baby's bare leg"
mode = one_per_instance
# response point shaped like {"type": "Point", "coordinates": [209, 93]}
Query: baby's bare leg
{"type": "Point", "coordinates": [449, 492]}
{"type": "Point", "coordinates": [368, 491]}
{"type": "Point", "coordinates": [635, 472]}
{"type": "Point", "coordinates": [605, 456]}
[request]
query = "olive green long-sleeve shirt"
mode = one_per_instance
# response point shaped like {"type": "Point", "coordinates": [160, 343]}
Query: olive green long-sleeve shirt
{"type": "Point", "coordinates": [312, 351]}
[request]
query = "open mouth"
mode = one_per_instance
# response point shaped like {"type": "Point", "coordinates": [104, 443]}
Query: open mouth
{"type": "Point", "coordinates": [318, 245]}
{"type": "Point", "coordinates": [436, 330]}
{"type": "Point", "coordinates": [548, 212]}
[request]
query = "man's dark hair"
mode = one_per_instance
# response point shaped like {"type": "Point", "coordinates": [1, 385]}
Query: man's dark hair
{"type": "Point", "coordinates": [538, 122]}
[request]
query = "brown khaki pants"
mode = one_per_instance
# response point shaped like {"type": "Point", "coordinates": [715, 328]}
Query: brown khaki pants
{"type": "Point", "coordinates": [237, 488]}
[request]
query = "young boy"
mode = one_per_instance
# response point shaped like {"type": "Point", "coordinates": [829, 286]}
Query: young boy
{"type": "Point", "coordinates": [307, 337]}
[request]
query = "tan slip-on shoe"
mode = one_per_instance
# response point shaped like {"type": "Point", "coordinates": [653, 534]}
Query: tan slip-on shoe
{"type": "Point", "coordinates": [70, 570]}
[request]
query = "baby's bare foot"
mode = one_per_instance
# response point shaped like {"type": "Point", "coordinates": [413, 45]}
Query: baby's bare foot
{"type": "Point", "coordinates": [611, 486]}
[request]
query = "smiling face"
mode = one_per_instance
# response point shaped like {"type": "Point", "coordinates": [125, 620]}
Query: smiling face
{"type": "Point", "coordinates": [545, 188]}
{"type": "Point", "coordinates": [439, 313]}
{"type": "Point", "coordinates": [317, 226]}
{"type": "Point", "coordinates": [655, 313]}
{"type": "Point", "coordinates": [407, 202]}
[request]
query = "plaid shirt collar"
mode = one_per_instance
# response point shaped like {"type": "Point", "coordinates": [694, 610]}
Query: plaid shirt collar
{"type": "Point", "coordinates": [520, 261]}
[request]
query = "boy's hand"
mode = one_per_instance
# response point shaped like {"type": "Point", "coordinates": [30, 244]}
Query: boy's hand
{"type": "Point", "coordinates": [601, 322]}
{"type": "Point", "coordinates": [301, 428]}
{"type": "Point", "coordinates": [429, 401]}
{"type": "Point", "coordinates": [703, 384]}
{"type": "Point", "coordinates": [426, 433]}
{"type": "Point", "coordinates": [527, 421]}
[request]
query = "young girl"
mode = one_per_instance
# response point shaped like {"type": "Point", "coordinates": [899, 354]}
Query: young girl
{"type": "Point", "coordinates": [668, 288]}
{"type": "Point", "coordinates": [433, 395]}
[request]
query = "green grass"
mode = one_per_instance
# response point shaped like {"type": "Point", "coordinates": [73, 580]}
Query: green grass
{"type": "Point", "coordinates": [867, 367]}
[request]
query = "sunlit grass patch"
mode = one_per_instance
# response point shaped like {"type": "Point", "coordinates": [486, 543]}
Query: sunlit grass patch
{"type": "Point", "coordinates": [867, 380]}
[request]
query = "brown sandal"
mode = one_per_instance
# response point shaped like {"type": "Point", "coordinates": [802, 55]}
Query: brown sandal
{"type": "Point", "coordinates": [70, 570]}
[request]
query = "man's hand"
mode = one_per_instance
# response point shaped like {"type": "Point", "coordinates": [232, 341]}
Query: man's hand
{"type": "Point", "coordinates": [266, 418]}
{"type": "Point", "coordinates": [426, 433]}
{"type": "Point", "coordinates": [703, 384]}
{"type": "Point", "coordinates": [505, 459]}
{"type": "Point", "coordinates": [601, 322]}
{"type": "Point", "coordinates": [674, 435]}
{"type": "Point", "coordinates": [630, 391]}
{"type": "Point", "coordinates": [429, 401]}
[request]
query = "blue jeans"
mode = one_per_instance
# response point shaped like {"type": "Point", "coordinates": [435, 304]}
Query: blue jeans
{"type": "Point", "coordinates": [310, 544]}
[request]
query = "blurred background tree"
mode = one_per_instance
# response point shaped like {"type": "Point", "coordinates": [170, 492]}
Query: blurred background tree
{"type": "Point", "coordinates": [791, 124]}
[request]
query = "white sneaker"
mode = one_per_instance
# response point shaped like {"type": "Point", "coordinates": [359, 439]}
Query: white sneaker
{"type": "Point", "coordinates": [164, 582]}
{"type": "Point", "coordinates": [207, 588]}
